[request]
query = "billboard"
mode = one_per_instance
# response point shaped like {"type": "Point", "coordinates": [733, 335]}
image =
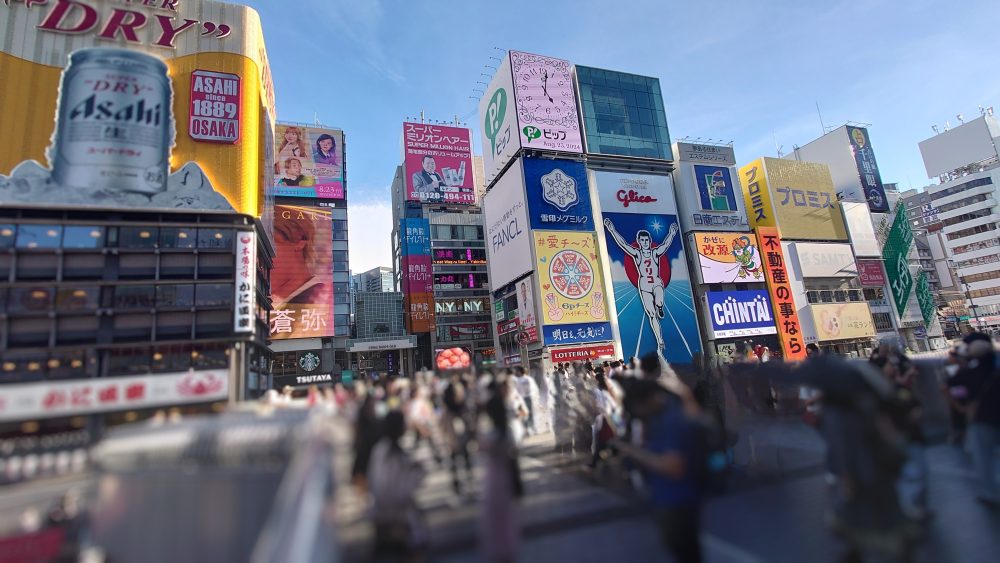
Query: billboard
{"type": "Point", "coordinates": [526, 309]}
{"type": "Point", "coordinates": [508, 235]}
{"type": "Point", "coordinates": [649, 275]}
{"type": "Point", "coordinates": [302, 275]}
{"type": "Point", "coordinates": [842, 321]}
{"type": "Point", "coordinates": [960, 146]}
{"type": "Point", "coordinates": [418, 274]}
{"type": "Point", "coordinates": [546, 104]}
{"type": "Point", "coordinates": [870, 273]}
{"type": "Point", "coordinates": [925, 298]}
{"type": "Point", "coordinates": [460, 256]}
{"type": "Point", "coordinates": [740, 313]}
{"type": "Point", "coordinates": [437, 164]}
{"type": "Point", "coordinates": [780, 290]}
{"type": "Point", "coordinates": [308, 162]}
{"type": "Point", "coordinates": [135, 105]}
{"type": "Point", "coordinates": [798, 197]}
{"type": "Point", "coordinates": [570, 278]}
{"type": "Point", "coordinates": [717, 155]}
{"type": "Point", "coordinates": [583, 353]}
{"type": "Point", "coordinates": [871, 179]}
{"type": "Point", "coordinates": [246, 282]}
{"type": "Point", "coordinates": [819, 260]}
{"type": "Point", "coordinates": [861, 229]}
{"type": "Point", "coordinates": [499, 133]}
{"type": "Point", "coordinates": [728, 257]}
{"type": "Point", "coordinates": [558, 194]}
{"type": "Point", "coordinates": [578, 333]}
{"type": "Point", "coordinates": [897, 266]}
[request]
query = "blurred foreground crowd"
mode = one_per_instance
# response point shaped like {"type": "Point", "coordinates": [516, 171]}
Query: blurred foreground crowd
{"type": "Point", "coordinates": [668, 439]}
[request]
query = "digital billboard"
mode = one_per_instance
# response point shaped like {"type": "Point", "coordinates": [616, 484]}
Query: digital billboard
{"type": "Point", "coordinates": [546, 104]}
{"type": "Point", "coordinates": [728, 257]}
{"type": "Point", "coordinates": [841, 321]}
{"type": "Point", "coordinates": [308, 162]}
{"type": "Point", "coordinates": [302, 276]}
{"type": "Point", "coordinates": [649, 274]}
{"type": "Point", "coordinates": [508, 235]}
{"type": "Point", "coordinates": [797, 197]}
{"type": "Point", "coordinates": [871, 179]}
{"type": "Point", "coordinates": [558, 194]}
{"type": "Point", "coordinates": [437, 162]}
{"type": "Point", "coordinates": [418, 276]}
{"type": "Point", "coordinates": [737, 314]}
{"type": "Point", "coordinates": [459, 256]}
{"type": "Point", "coordinates": [135, 105]}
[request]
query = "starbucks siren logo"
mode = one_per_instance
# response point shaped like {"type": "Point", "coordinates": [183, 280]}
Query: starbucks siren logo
{"type": "Point", "coordinates": [309, 361]}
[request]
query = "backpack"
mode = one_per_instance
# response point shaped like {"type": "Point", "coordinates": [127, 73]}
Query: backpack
{"type": "Point", "coordinates": [712, 465]}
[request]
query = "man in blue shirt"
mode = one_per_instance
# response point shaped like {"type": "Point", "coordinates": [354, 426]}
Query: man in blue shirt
{"type": "Point", "coordinates": [670, 458]}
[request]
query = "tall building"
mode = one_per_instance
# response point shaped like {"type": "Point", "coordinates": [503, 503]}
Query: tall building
{"type": "Point", "coordinates": [311, 282]}
{"type": "Point", "coordinates": [586, 260]}
{"type": "Point", "coordinates": [966, 162]}
{"type": "Point", "coordinates": [438, 246]}
{"type": "Point", "coordinates": [380, 338]}
{"type": "Point", "coordinates": [376, 279]}
{"type": "Point", "coordinates": [135, 271]}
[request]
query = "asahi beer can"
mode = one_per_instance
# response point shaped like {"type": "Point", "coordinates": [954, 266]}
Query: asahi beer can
{"type": "Point", "coordinates": [114, 128]}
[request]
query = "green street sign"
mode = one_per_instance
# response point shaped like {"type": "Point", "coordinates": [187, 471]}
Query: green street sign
{"type": "Point", "coordinates": [926, 299]}
{"type": "Point", "coordinates": [347, 376]}
{"type": "Point", "coordinates": [897, 265]}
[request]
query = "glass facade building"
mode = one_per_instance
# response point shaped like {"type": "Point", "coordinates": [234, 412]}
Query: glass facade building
{"type": "Point", "coordinates": [623, 114]}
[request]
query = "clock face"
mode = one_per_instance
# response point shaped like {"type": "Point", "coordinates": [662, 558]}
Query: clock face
{"type": "Point", "coordinates": [545, 92]}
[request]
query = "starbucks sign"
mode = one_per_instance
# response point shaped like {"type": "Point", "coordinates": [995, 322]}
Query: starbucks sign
{"type": "Point", "coordinates": [309, 362]}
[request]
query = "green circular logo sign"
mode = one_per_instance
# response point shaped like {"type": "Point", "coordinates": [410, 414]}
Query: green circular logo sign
{"type": "Point", "coordinates": [531, 132]}
{"type": "Point", "coordinates": [496, 111]}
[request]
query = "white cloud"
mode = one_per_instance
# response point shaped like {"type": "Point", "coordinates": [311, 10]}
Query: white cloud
{"type": "Point", "coordinates": [370, 235]}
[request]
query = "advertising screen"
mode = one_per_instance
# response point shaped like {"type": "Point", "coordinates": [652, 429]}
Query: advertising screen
{"type": "Point", "coordinates": [508, 235]}
{"type": "Point", "coordinates": [820, 260]}
{"type": "Point", "coordinates": [438, 164]}
{"type": "Point", "coordinates": [497, 114]}
{"type": "Point", "coordinates": [871, 179]}
{"type": "Point", "coordinates": [460, 281]}
{"type": "Point", "coordinates": [308, 162]}
{"type": "Point", "coordinates": [840, 321]}
{"type": "Point", "coordinates": [545, 101]}
{"type": "Point", "coordinates": [526, 309]}
{"type": "Point", "coordinates": [171, 113]}
{"type": "Point", "coordinates": [649, 274]}
{"type": "Point", "coordinates": [728, 257]}
{"type": "Point", "coordinates": [870, 273]}
{"type": "Point", "coordinates": [558, 194]}
{"type": "Point", "coordinates": [302, 276]}
{"type": "Point", "coordinates": [740, 313]}
{"type": "Point", "coordinates": [459, 256]}
{"type": "Point", "coordinates": [798, 197]}
{"type": "Point", "coordinates": [418, 277]}
{"type": "Point", "coordinates": [782, 300]}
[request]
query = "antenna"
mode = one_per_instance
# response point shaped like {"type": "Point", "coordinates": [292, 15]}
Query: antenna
{"type": "Point", "coordinates": [935, 129]}
{"type": "Point", "coordinates": [316, 119]}
{"type": "Point", "coordinates": [821, 125]}
{"type": "Point", "coordinates": [960, 118]}
{"type": "Point", "coordinates": [947, 125]}
{"type": "Point", "coordinates": [989, 111]}
{"type": "Point", "coordinates": [776, 147]}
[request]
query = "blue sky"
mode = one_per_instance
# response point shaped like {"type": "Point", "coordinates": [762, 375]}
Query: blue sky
{"type": "Point", "coordinates": [746, 71]}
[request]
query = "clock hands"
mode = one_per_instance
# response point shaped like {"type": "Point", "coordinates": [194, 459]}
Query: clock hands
{"type": "Point", "coordinates": [545, 86]}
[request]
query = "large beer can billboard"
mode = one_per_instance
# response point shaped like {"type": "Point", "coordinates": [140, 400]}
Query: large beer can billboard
{"type": "Point", "coordinates": [302, 276]}
{"type": "Point", "coordinates": [438, 164]}
{"type": "Point", "coordinates": [134, 104]}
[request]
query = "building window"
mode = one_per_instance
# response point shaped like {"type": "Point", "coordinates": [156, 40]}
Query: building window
{"type": "Point", "coordinates": [83, 237]}
{"type": "Point", "coordinates": [214, 295]}
{"type": "Point", "coordinates": [134, 297]}
{"type": "Point", "coordinates": [177, 237]}
{"type": "Point", "coordinates": [38, 236]}
{"type": "Point", "coordinates": [961, 188]}
{"type": "Point", "coordinates": [137, 237]}
{"type": "Point", "coordinates": [7, 235]}
{"type": "Point", "coordinates": [175, 295]}
{"type": "Point", "coordinates": [171, 358]}
{"type": "Point", "coordinates": [883, 322]}
{"type": "Point", "coordinates": [78, 299]}
{"type": "Point", "coordinates": [978, 229]}
{"type": "Point", "coordinates": [216, 239]}
{"type": "Point", "coordinates": [128, 361]}
{"type": "Point", "coordinates": [30, 299]}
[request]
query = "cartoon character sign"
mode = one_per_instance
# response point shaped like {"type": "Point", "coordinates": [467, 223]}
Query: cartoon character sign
{"type": "Point", "coordinates": [651, 286]}
{"type": "Point", "coordinates": [746, 258]}
{"type": "Point", "coordinates": [728, 258]}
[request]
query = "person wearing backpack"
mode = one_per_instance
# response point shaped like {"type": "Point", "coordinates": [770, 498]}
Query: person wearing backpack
{"type": "Point", "coordinates": [671, 457]}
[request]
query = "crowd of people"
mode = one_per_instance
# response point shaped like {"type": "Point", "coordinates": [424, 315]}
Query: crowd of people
{"type": "Point", "coordinates": [668, 439]}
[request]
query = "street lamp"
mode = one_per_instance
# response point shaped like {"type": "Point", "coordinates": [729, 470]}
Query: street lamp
{"type": "Point", "coordinates": [968, 297]}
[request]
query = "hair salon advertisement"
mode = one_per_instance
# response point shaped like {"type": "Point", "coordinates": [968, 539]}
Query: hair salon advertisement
{"type": "Point", "coordinates": [438, 164]}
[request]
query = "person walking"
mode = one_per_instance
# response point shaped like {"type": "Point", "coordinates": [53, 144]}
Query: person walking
{"type": "Point", "coordinates": [983, 413]}
{"type": "Point", "coordinates": [499, 523]}
{"type": "Point", "coordinates": [528, 390]}
{"type": "Point", "coordinates": [605, 425]}
{"type": "Point", "coordinates": [394, 478]}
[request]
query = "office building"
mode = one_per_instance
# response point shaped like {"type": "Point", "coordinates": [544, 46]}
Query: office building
{"type": "Point", "coordinates": [380, 340]}
{"type": "Point", "coordinates": [966, 163]}
{"type": "Point", "coordinates": [374, 280]}
{"type": "Point", "coordinates": [135, 269]}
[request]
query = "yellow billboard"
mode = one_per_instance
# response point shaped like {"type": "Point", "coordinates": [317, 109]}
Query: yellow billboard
{"type": "Point", "coordinates": [165, 105]}
{"type": "Point", "coordinates": [841, 321]}
{"type": "Point", "coordinates": [569, 277]}
{"type": "Point", "coordinates": [797, 197]}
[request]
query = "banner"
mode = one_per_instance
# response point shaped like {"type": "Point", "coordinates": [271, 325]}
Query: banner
{"type": "Point", "coordinates": [871, 180]}
{"type": "Point", "coordinates": [569, 275]}
{"type": "Point", "coordinates": [497, 114]}
{"type": "Point", "coordinates": [825, 260]}
{"type": "Point", "coordinates": [740, 313]}
{"type": "Point", "coordinates": [897, 265]}
{"type": "Point", "coordinates": [147, 105]}
{"type": "Point", "coordinates": [649, 275]}
{"type": "Point", "coordinates": [246, 282]}
{"type": "Point", "coordinates": [782, 301]}
{"type": "Point", "coordinates": [308, 162]}
{"type": "Point", "coordinates": [526, 309]}
{"type": "Point", "coordinates": [302, 275]}
{"type": "Point", "coordinates": [798, 197]}
{"type": "Point", "coordinates": [870, 273]}
{"type": "Point", "coordinates": [508, 235]}
{"type": "Point", "coordinates": [842, 321]}
{"type": "Point", "coordinates": [583, 353]}
{"type": "Point", "coordinates": [437, 164]}
{"type": "Point", "coordinates": [580, 333]}
{"type": "Point", "coordinates": [728, 257]}
{"type": "Point", "coordinates": [926, 299]}
{"type": "Point", "coordinates": [546, 103]}
{"type": "Point", "coordinates": [418, 276]}
{"type": "Point", "coordinates": [558, 194]}
{"type": "Point", "coordinates": [756, 194]}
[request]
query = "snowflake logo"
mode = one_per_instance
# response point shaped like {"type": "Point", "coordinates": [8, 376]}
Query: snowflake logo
{"type": "Point", "coordinates": [559, 190]}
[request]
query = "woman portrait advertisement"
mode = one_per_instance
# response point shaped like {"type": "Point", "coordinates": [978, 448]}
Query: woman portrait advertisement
{"type": "Point", "coordinates": [293, 143]}
{"type": "Point", "coordinates": [293, 174]}
{"type": "Point", "coordinates": [302, 266]}
{"type": "Point", "coordinates": [325, 158]}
